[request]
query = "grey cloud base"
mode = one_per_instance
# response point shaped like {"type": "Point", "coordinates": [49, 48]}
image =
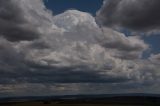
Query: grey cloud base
{"type": "Point", "coordinates": [14, 26]}
{"type": "Point", "coordinates": [72, 89]}
{"type": "Point", "coordinates": [69, 48]}
{"type": "Point", "coordinates": [137, 15]}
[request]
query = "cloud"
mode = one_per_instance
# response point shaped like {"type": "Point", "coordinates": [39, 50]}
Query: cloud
{"type": "Point", "coordinates": [20, 21]}
{"type": "Point", "coordinates": [68, 48]}
{"type": "Point", "coordinates": [141, 16]}
{"type": "Point", "coordinates": [131, 47]}
{"type": "Point", "coordinates": [155, 58]}
{"type": "Point", "coordinates": [30, 89]}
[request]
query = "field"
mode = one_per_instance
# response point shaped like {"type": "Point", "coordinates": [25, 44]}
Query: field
{"type": "Point", "coordinates": [90, 100]}
{"type": "Point", "coordinates": [53, 104]}
{"type": "Point", "coordinates": [81, 104]}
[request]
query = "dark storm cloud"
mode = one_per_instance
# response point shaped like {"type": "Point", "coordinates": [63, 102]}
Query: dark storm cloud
{"type": "Point", "coordinates": [42, 74]}
{"type": "Point", "coordinates": [71, 48]}
{"type": "Point", "coordinates": [15, 68]}
{"type": "Point", "coordinates": [11, 62]}
{"type": "Point", "coordinates": [139, 15]}
{"type": "Point", "coordinates": [13, 25]}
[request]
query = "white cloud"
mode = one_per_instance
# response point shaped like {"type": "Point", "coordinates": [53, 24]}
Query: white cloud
{"type": "Point", "coordinates": [131, 47]}
{"type": "Point", "coordinates": [155, 58]}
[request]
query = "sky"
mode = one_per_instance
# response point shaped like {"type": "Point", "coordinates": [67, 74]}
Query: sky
{"type": "Point", "coordinates": [59, 6]}
{"type": "Point", "coordinates": [68, 47]}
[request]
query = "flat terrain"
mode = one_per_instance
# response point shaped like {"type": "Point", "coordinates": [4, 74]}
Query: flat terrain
{"type": "Point", "coordinates": [53, 104]}
{"type": "Point", "coordinates": [78, 104]}
{"type": "Point", "coordinates": [84, 100]}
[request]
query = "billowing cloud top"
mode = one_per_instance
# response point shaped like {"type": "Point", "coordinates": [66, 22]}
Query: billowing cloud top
{"type": "Point", "coordinates": [67, 50]}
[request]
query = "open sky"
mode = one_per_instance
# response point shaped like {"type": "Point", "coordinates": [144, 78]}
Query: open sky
{"type": "Point", "coordinates": [60, 47]}
{"type": "Point", "coordinates": [59, 6]}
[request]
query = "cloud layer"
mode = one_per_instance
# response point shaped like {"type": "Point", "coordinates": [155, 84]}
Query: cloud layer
{"type": "Point", "coordinates": [137, 15]}
{"type": "Point", "coordinates": [69, 49]}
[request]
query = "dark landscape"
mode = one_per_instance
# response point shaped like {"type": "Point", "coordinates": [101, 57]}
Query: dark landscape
{"type": "Point", "coordinates": [85, 100]}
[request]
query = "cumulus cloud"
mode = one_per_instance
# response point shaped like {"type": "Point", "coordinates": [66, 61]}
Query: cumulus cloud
{"type": "Point", "coordinates": [137, 15]}
{"type": "Point", "coordinates": [66, 48]}
{"type": "Point", "coordinates": [20, 20]}
{"type": "Point", "coordinates": [155, 58]}
{"type": "Point", "coordinates": [131, 47]}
